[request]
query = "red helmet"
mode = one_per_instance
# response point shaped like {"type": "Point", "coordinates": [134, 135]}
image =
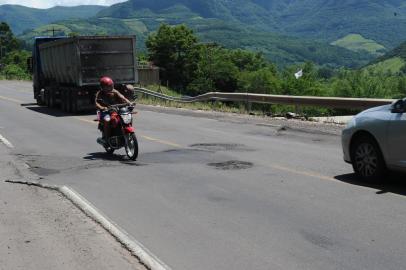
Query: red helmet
{"type": "Point", "coordinates": [106, 82]}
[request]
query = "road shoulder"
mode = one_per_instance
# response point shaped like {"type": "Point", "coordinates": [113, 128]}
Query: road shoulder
{"type": "Point", "coordinates": [40, 229]}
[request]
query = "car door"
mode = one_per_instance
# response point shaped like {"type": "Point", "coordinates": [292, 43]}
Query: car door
{"type": "Point", "coordinates": [396, 138]}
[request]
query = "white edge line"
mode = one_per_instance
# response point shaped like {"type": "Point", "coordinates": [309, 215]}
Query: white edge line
{"type": "Point", "coordinates": [145, 256]}
{"type": "Point", "coordinates": [137, 249]}
{"type": "Point", "coordinates": [6, 142]}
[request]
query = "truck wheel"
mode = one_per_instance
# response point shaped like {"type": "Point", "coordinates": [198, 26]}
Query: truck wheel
{"type": "Point", "coordinates": [46, 97]}
{"type": "Point", "coordinates": [38, 97]}
{"type": "Point", "coordinates": [63, 101]}
{"type": "Point", "coordinates": [52, 98]}
{"type": "Point", "coordinates": [68, 106]}
{"type": "Point", "coordinates": [39, 101]}
{"type": "Point", "coordinates": [73, 104]}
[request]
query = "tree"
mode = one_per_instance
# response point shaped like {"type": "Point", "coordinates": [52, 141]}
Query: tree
{"type": "Point", "coordinates": [8, 42]}
{"type": "Point", "coordinates": [263, 81]}
{"type": "Point", "coordinates": [172, 48]}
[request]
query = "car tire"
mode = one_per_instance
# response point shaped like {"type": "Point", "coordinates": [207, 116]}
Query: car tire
{"type": "Point", "coordinates": [367, 159]}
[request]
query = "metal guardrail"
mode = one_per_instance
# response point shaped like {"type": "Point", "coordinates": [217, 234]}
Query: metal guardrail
{"type": "Point", "coordinates": [328, 102]}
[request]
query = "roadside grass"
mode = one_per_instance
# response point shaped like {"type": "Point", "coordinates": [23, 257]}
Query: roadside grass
{"type": "Point", "coordinates": [24, 77]}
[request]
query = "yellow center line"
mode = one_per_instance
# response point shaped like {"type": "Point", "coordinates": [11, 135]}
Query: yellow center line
{"type": "Point", "coordinates": [145, 137]}
{"type": "Point", "coordinates": [85, 120]}
{"type": "Point", "coordinates": [12, 99]}
{"type": "Point", "coordinates": [162, 141]}
{"type": "Point", "coordinates": [303, 173]}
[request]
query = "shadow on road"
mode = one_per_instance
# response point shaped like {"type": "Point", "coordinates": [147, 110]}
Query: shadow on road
{"type": "Point", "coordinates": [56, 112]}
{"type": "Point", "coordinates": [105, 156]}
{"type": "Point", "coordinates": [393, 183]}
{"type": "Point", "coordinates": [123, 159]}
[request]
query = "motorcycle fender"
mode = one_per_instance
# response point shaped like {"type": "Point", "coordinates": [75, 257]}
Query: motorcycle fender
{"type": "Point", "coordinates": [128, 130]}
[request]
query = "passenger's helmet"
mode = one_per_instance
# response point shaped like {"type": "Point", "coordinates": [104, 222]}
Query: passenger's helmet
{"type": "Point", "coordinates": [106, 83]}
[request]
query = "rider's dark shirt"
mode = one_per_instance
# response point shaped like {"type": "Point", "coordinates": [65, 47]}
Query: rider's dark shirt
{"type": "Point", "coordinates": [109, 98]}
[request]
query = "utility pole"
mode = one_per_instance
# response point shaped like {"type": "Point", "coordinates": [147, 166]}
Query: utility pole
{"type": "Point", "coordinates": [53, 30]}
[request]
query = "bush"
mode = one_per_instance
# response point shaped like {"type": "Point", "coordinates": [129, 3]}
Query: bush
{"type": "Point", "coordinates": [15, 72]}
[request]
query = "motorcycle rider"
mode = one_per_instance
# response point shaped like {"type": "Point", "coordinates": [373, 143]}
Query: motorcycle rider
{"type": "Point", "coordinates": [106, 97]}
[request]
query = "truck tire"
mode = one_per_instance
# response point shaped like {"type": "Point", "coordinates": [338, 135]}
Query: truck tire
{"type": "Point", "coordinates": [52, 98]}
{"type": "Point", "coordinates": [46, 97]}
{"type": "Point", "coordinates": [49, 99]}
{"type": "Point", "coordinates": [38, 97]}
{"type": "Point", "coordinates": [65, 101]}
{"type": "Point", "coordinates": [73, 102]}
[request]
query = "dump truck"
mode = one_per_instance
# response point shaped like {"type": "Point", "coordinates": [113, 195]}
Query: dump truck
{"type": "Point", "coordinates": [66, 70]}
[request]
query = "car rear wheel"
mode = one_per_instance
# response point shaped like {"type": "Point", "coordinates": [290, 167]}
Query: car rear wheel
{"type": "Point", "coordinates": [367, 159]}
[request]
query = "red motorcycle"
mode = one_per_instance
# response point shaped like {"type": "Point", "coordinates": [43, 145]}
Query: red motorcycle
{"type": "Point", "coordinates": [120, 118]}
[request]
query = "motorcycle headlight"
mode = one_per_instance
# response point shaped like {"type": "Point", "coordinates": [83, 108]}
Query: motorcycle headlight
{"type": "Point", "coordinates": [127, 118]}
{"type": "Point", "coordinates": [107, 118]}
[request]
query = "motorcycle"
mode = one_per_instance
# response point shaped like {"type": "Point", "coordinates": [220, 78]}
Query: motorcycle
{"type": "Point", "coordinates": [120, 118]}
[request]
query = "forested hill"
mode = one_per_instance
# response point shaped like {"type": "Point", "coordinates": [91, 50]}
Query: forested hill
{"type": "Point", "coordinates": [21, 18]}
{"type": "Point", "coordinates": [399, 51]}
{"type": "Point", "coordinates": [381, 20]}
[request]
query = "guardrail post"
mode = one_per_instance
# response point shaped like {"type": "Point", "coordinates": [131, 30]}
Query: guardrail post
{"type": "Point", "coordinates": [249, 107]}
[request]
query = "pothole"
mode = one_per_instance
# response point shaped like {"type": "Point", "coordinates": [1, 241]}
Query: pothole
{"type": "Point", "coordinates": [232, 165]}
{"type": "Point", "coordinates": [221, 146]}
{"type": "Point", "coordinates": [44, 171]}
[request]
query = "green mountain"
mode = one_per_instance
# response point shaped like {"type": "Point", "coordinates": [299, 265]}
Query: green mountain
{"type": "Point", "coordinates": [383, 21]}
{"type": "Point", "coordinates": [278, 48]}
{"type": "Point", "coordinates": [399, 51]}
{"type": "Point", "coordinates": [22, 18]}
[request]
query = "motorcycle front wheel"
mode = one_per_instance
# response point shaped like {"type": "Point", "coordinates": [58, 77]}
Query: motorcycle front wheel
{"type": "Point", "coordinates": [131, 146]}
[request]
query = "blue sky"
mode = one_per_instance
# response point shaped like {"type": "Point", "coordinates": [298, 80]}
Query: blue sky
{"type": "Point", "coordinates": [51, 3]}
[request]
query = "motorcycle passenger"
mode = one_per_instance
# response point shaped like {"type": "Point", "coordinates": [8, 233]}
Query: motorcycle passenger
{"type": "Point", "coordinates": [106, 97]}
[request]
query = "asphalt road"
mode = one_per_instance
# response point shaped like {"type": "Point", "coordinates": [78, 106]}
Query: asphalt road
{"type": "Point", "coordinates": [218, 193]}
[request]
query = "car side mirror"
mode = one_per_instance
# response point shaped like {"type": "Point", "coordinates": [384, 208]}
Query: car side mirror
{"type": "Point", "coordinates": [399, 106]}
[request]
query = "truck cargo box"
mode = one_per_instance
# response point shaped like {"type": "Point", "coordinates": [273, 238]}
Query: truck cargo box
{"type": "Point", "coordinates": [81, 61]}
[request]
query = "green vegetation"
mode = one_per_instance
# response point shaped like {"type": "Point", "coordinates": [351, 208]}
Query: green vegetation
{"type": "Point", "coordinates": [399, 51]}
{"type": "Point", "coordinates": [356, 42]}
{"type": "Point", "coordinates": [392, 65]}
{"type": "Point", "coordinates": [257, 25]}
{"type": "Point", "coordinates": [13, 61]}
{"type": "Point", "coordinates": [203, 68]}
{"type": "Point", "coordinates": [281, 50]}
{"type": "Point", "coordinates": [383, 21]}
{"type": "Point", "coordinates": [393, 61]}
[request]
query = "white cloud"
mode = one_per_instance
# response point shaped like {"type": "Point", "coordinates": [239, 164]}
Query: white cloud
{"type": "Point", "coordinates": [51, 3]}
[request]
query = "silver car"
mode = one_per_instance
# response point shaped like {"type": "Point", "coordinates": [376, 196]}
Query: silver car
{"type": "Point", "coordinates": [375, 141]}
